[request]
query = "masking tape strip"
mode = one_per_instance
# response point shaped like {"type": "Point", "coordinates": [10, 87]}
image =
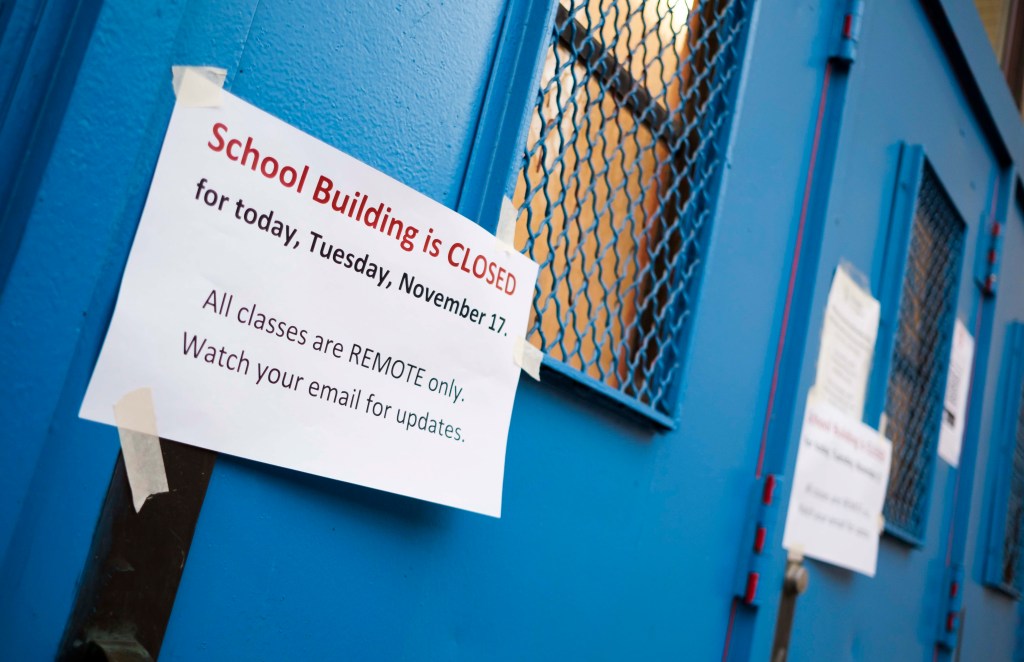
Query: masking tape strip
{"type": "Point", "coordinates": [528, 357]}
{"type": "Point", "coordinates": [855, 274]}
{"type": "Point", "coordinates": [198, 87]}
{"type": "Point", "coordinates": [506, 230]}
{"type": "Point", "coordinates": [140, 445]}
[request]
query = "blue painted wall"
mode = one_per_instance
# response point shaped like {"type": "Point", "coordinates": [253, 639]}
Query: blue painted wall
{"type": "Point", "coordinates": [617, 540]}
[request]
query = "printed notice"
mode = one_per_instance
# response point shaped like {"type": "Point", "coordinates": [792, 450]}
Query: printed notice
{"type": "Point", "coordinates": [847, 345]}
{"type": "Point", "coordinates": [958, 386]}
{"type": "Point", "coordinates": [287, 303]}
{"type": "Point", "coordinates": [839, 484]}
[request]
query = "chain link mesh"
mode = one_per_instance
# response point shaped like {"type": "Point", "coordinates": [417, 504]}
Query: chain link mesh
{"type": "Point", "coordinates": [615, 192]}
{"type": "Point", "coordinates": [927, 311]}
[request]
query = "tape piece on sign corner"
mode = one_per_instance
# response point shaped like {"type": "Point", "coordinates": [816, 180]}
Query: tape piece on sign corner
{"type": "Point", "coordinates": [528, 357]}
{"type": "Point", "coordinates": [140, 445]}
{"type": "Point", "coordinates": [198, 87]}
{"type": "Point", "coordinates": [506, 230]}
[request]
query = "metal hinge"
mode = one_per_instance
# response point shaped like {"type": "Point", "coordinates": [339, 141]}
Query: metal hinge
{"type": "Point", "coordinates": [758, 540]}
{"type": "Point", "coordinates": [986, 263]}
{"type": "Point", "coordinates": [851, 15]}
{"type": "Point", "coordinates": [953, 600]}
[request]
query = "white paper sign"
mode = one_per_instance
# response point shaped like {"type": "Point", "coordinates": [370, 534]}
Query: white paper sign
{"type": "Point", "coordinates": [847, 345]}
{"type": "Point", "coordinates": [289, 304]}
{"type": "Point", "coordinates": [958, 386]}
{"type": "Point", "coordinates": [839, 484]}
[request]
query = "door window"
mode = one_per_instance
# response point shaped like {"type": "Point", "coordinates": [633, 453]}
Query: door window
{"type": "Point", "coordinates": [917, 370]}
{"type": "Point", "coordinates": [625, 147]}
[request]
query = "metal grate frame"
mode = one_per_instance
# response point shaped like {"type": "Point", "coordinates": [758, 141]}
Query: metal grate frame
{"type": "Point", "coordinates": [920, 354]}
{"type": "Point", "coordinates": [619, 176]}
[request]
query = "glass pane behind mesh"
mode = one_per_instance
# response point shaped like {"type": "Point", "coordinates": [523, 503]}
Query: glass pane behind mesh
{"type": "Point", "coordinates": [615, 190]}
{"type": "Point", "coordinates": [927, 312]}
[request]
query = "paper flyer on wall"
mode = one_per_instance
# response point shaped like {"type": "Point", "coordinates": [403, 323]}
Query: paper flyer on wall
{"type": "Point", "coordinates": [958, 387]}
{"type": "Point", "coordinates": [287, 303]}
{"type": "Point", "coordinates": [839, 486]}
{"type": "Point", "coordinates": [847, 344]}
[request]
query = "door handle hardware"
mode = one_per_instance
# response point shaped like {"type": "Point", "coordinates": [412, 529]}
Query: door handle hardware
{"type": "Point", "coordinates": [794, 584]}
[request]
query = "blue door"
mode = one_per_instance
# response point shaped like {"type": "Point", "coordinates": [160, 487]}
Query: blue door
{"type": "Point", "coordinates": [917, 186]}
{"type": "Point", "coordinates": [688, 176]}
{"type": "Point", "coordinates": [652, 398]}
{"type": "Point", "coordinates": [985, 544]}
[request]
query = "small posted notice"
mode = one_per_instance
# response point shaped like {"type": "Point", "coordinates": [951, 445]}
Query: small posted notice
{"type": "Point", "coordinates": [847, 344]}
{"type": "Point", "coordinates": [958, 386]}
{"type": "Point", "coordinates": [287, 303]}
{"type": "Point", "coordinates": [842, 471]}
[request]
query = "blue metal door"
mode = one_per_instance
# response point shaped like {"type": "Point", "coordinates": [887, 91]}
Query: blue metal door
{"type": "Point", "coordinates": [910, 201]}
{"type": "Point", "coordinates": [607, 543]}
{"type": "Point", "coordinates": [688, 179]}
{"type": "Point", "coordinates": [985, 542]}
